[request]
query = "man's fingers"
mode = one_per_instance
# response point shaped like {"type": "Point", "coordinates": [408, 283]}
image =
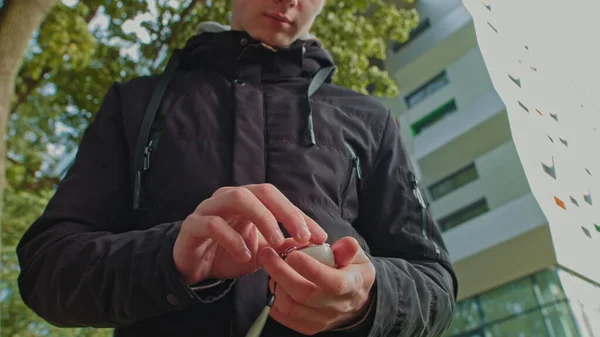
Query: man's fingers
{"type": "Point", "coordinates": [222, 190]}
{"type": "Point", "coordinates": [297, 223]}
{"type": "Point", "coordinates": [347, 251]}
{"type": "Point", "coordinates": [241, 201]}
{"type": "Point", "coordinates": [218, 229]}
{"type": "Point", "coordinates": [330, 280]}
{"type": "Point", "coordinates": [312, 325]}
{"type": "Point", "coordinates": [283, 210]}
{"type": "Point", "coordinates": [286, 310]}
{"type": "Point", "coordinates": [318, 234]}
{"type": "Point", "coordinates": [299, 288]}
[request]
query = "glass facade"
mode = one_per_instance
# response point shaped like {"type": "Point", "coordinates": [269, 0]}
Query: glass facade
{"type": "Point", "coordinates": [584, 297]}
{"type": "Point", "coordinates": [535, 306]}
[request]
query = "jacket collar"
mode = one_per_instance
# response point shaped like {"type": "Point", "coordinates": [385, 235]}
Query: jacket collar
{"type": "Point", "coordinates": [229, 52]}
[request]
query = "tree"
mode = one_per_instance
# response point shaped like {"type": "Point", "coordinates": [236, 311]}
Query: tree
{"type": "Point", "coordinates": [15, 34]}
{"type": "Point", "coordinates": [82, 46]}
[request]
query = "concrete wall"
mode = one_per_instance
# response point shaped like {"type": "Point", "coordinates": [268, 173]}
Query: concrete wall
{"type": "Point", "coordinates": [501, 180]}
{"type": "Point", "coordinates": [518, 257]}
{"type": "Point", "coordinates": [495, 227]}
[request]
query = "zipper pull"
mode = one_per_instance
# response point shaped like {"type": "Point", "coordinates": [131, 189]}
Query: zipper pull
{"type": "Point", "coordinates": [147, 154]}
{"type": "Point", "coordinates": [416, 190]}
{"type": "Point", "coordinates": [152, 145]}
{"type": "Point", "coordinates": [356, 162]}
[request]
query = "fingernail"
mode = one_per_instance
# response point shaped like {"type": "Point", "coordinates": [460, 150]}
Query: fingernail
{"type": "Point", "coordinates": [247, 255]}
{"type": "Point", "coordinates": [265, 253]}
{"type": "Point", "coordinates": [322, 231]}
{"type": "Point", "coordinates": [304, 233]}
{"type": "Point", "coordinates": [277, 238]}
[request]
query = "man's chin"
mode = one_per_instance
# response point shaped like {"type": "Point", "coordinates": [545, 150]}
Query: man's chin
{"type": "Point", "coordinates": [275, 40]}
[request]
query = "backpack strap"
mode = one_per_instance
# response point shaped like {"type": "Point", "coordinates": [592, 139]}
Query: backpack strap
{"type": "Point", "coordinates": [143, 147]}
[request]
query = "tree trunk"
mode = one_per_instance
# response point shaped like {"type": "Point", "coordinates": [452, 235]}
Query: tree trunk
{"type": "Point", "coordinates": [19, 19]}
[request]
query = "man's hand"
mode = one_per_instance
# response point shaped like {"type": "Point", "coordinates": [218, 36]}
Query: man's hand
{"type": "Point", "coordinates": [222, 237]}
{"type": "Point", "coordinates": [311, 297]}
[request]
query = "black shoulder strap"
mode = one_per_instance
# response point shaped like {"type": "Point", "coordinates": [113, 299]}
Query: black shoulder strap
{"type": "Point", "coordinates": [142, 146]}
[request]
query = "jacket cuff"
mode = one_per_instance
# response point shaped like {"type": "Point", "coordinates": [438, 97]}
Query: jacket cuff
{"type": "Point", "coordinates": [176, 293]}
{"type": "Point", "coordinates": [212, 292]}
{"type": "Point", "coordinates": [385, 308]}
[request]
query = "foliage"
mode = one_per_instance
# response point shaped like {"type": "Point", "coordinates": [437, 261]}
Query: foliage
{"type": "Point", "coordinates": [81, 49]}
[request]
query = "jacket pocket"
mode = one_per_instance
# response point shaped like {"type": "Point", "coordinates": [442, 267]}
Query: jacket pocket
{"type": "Point", "coordinates": [354, 175]}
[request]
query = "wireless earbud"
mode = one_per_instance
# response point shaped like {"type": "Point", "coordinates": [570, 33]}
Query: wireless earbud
{"type": "Point", "coordinates": [322, 253]}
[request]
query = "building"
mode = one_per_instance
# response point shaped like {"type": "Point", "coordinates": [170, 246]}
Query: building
{"type": "Point", "coordinates": [457, 131]}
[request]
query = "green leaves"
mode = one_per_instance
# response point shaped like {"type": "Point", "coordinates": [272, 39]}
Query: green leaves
{"type": "Point", "coordinates": [357, 33]}
{"type": "Point", "coordinates": [70, 65]}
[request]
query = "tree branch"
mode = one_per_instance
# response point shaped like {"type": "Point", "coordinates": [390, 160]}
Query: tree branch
{"type": "Point", "coordinates": [30, 84]}
{"type": "Point", "coordinates": [177, 29]}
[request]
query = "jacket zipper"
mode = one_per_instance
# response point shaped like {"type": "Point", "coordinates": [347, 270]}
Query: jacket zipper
{"type": "Point", "coordinates": [151, 147]}
{"type": "Point", "coordinates": [417, 192]}
{"type": "Point", "coordinates": [354, 171]}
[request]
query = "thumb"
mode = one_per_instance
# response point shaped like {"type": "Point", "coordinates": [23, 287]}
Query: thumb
{"type": "Point", "coordinates": [347, 251]}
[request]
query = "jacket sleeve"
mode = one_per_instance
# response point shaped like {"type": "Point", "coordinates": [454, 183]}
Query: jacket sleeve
{"type": "Point", "coordinates": [415, 284]}
{"type": "Point", "coordinates": [81, 264]}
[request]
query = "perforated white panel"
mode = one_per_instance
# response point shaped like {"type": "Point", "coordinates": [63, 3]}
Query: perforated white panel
{"type": "Point", "coordinates": [544, 60]}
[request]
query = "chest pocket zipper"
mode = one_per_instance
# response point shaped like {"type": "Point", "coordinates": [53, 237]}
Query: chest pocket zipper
{"type": "Point", "coordinates": [423, 206]}
{"type": "Point", "coordinates": [353, 174]}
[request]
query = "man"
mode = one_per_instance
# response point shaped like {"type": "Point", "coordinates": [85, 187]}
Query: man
{"type": "Point", "coordinates": [253, 147]}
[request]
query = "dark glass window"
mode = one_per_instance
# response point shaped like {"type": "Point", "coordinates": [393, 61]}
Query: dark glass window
{"type": "Point", "coordinates": [463, 215]}
{"type": "Point", "coordinates": [454, 181]}
{"type": "Point", "coordinates": [427, 89]}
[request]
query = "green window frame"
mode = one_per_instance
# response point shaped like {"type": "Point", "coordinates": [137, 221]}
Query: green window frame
{"type": "Point", "coordinates": [434, 117]}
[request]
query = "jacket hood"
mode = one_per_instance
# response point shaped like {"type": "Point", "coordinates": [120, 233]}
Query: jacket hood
{"type": "Point", "coordinates": [218, 47]}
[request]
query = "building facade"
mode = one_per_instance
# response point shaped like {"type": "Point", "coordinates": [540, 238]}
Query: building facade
{"type": "Point", "coordinates": [457, 131]}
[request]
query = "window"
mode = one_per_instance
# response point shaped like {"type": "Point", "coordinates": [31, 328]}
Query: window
{"type": "Point", "coordinates": [560, 322]}
{"type": "Point", "coordinates": [548, 287]}
{"type": "Point", "coordinates": [433, 117]}
{"type": "Point", "coordinates": [427, 89]}
{"type": "Point", "coordinates": [527, 325]}
{"type": "Point", "coordinates": [463, 215]}
{"type": "Point", "coordinates": [422, 26]}
{"type": "Point", "coordinates": [467, 316]}
{"type": "Point", "coordinates": [510, 300]}
{"type": "Point", "coordinates": [515, 310]}
{"type": "Point", "coordinates": [453, 182]}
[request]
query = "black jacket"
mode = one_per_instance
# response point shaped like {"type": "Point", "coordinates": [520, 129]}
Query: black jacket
{"type": "Point", "coordinates": [235, 113]}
